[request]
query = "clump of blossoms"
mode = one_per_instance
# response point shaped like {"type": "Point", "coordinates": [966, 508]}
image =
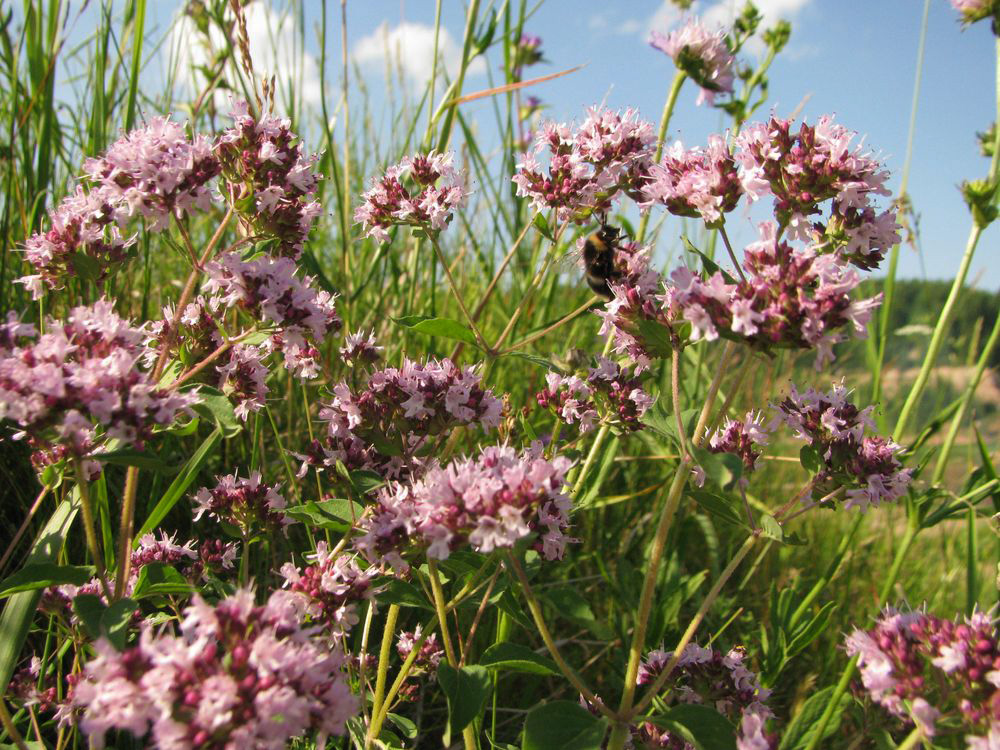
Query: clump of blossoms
{"type": "Point", "coordinates": [637, 305]}
{"type": "Point", "coordinates": [703, 55]}
{"type": "Point", "coordinates": [248, 504]}
{"type": "Point", "coordinates": [268, 289]}
{"type": "Point", "coordinates": [83, 239]}
{"type": "Point", "coordinates": [360, 349]}
{"type": "Point", "coordinates": [487, 502]}
{"type": "Point", "coordinates": [156, 172]}
{"type": "Point", "coordinates": [976, 10]}
{"type": "Point", "coordinates": [696, 183]}
{"type": "Point", "coordinates": [865, 466]}
{"type": "Point", "coordinates": [332, 586]}
{"type": "Point", "coordinates": [382, 427]}
{"type": "Point", "coordinates": [272, 181]}
{"type": "Point", "coordinates": [79, 384]}
{"type": "Point", "coordinates": [193, 560]}
{"type": "Point", "coordinates": [237, 675]}
{"type": "Point", "coordinates": [425, 663]}
{"type": "Point", "coordinates": [941, 675]}
{"type": "Point", "coordinates": [742, 437]}
{"type": "Point", "coordinates": [421, 191]}
{"type": "Point", "coordinates": [527, 51]}
{"type": "Point", "coordinates": [589, 167]}
{"type": "Point", "coordinates": [804, 170]}
{"type": "Point", "coordinates": [788, 299]}
{"type": "Point", "coordinates": [607, 388]}
{"type": "Point", "coordinates": [242, 378]}
{"type": "Point", "coordinates": [710, 677]}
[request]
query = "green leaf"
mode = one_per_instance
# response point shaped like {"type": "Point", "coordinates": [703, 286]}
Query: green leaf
{"type": "Point", "coordinates": [722, 469]}
{"type": "Point", "coordinates": [702, 726]}
{"type": "Point", "coordinates": [466, 690]}
{"type": "Point", "coordinates": [542, 225]}
{"type": "Point", "coordinates": [20, 608]}
{"type": "Point", "coordinates": [44, 574]}
{"type": "Point", "coordinates": [443, 327]}
{"type": "Point", "coordinates": [180, 484]}
{"type": "Point", "coordinates": [139, 459]}
{"type": "Point", "coordinates": [771, 529]}
{"type": "Point", "coordinates": [365, 481]}
{"type": "Point", "coordinates": [802, 727]}
{"type": "Point", "coordinates": [395, 591]}
{"type": "Point", "coordinates": [710, 265]}
{"type": "Point", "coordinates": [326, 514]}
{"type": "Point", "coordinates": [513, 657]}
{"type": "Point", "coordinates": [159, 579]}
{"type": "Point", "coordinates": [89, 608]}
{"type": "Point", "coordinates": [86, 267]}
{"type": "Point", "coordinates": [810, 459]}
{"type": "Point", "coordinates": [656, 339]}
{"type": "Point", "coordinates": [216, 407]}
{"type": "Point", "coordinates": [536, 360]}
{"type": "Point", "coordinates": [569, 603]}
{"type": "Point", "coordinates": [720, 506]}
{"type": "Point", "coordinates": [562, 725]}
{"type": "Point", "coordinates": [115, 621]}
{"type": "Point", "coordinates": [812, 630]}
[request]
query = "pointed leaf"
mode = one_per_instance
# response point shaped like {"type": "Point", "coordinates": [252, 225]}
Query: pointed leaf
{"type": "Point", "coordinates": [513, 657]}
{"type": "Point", "coordinates": [443, 327]}
{"type": "Point", "coordinates": [562, 725]}
{"type": "Point", "coordinates": [44, 574]}
{"type": "Point", "coordinates": [466, 690]}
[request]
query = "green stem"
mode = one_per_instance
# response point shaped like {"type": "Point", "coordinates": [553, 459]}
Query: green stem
{"type": "Point", "coordinates": [454, 291]}
{"type": "Point", "coordinates": [378, 719]}
{"type": "Point", "coordinates": [469, 733]}
{"type": "Point", "coordinates": [970, 390]}
{"type": "Point", "coordinates": [940, 332]}
{"type": "Point", "coordinates": [668, 111]}
{"type": "Point", "coordinates": [543, 629]}
{"type": "Point", "coordinates": [912, 739]}
{"type": "Point", "coordinates": [8, 725]}
{"type": "Point", "coordinates": [388, 632]}
{"type": "Point", "coordinates": [649, 586]}
{"type": "Point", "coordinates": [912, 528]}
{"type": "Point", "coordinates": [692, 627]}
{"type": "Point", "coordinates": [89, 528]}
{"type": "Point", "coordinates": [944, 319]}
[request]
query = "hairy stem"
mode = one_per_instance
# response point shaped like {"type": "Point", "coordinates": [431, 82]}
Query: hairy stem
{"type": "Point", "coordinates": [668, 111]}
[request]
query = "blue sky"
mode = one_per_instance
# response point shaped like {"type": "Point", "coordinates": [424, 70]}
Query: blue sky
{"type": "Point", "coordinates": [852, 58]}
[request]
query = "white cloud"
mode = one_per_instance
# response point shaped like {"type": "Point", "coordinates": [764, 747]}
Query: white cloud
{"type": "Point", "coordinates": [602, 22]}
{"type": "Point", "coordinates": [411, 45]}
{"type": "Point", "coordinates": [275, 46]}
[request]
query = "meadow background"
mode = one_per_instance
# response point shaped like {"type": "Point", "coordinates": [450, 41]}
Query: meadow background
{"type": "Point", "coordinates": [355, 80]}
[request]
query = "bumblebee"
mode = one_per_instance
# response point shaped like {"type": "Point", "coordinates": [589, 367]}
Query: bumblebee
{"type": "Point", "coordinates": [599, 259]}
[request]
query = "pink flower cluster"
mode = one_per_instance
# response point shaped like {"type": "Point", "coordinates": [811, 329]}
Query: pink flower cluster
{"type": "Point", "coordinates": [697, 183]}
{"type": "Point", "coordinates": [84, 239]}
{"type": "Point", "coordinates": [332, 585]}
{"type": "Point", "coordinates": [742, 437]}
{"type": "Point", "coordinates": [834, 428]}
{"type": "Point", "coordinates": [588, 168]}
{"type": "Point", "coordinates": [249, 504]}
{"type": "Point", "coordinates": [421, 191]}
{"type": "Point", "coordinates": [191, 559]}
{"type": "Point", "coordinates": [607, 388]}
{"type": "Point", "coordinates": [487, 502]}
{"type": "Point", "coordinates": [271, 180]}
{"type": "Point", "coordinates": [703, 55]}
{"type": "Point", "coordinates": [383, 427]}
{"type": "Point", "coordinates": [268, 289]}
{"type": "Point", "coordinates": [238, 675]}
{"type": "Point", "coordinates": [707, 676]}
{"type": "Point", "coordinates": [927, 670]}
{"type": "Point", "coordinates": [425, 664]}
{"type": "Point", "coordinates": [360, 349]}
{"type": "Point", "coordinates": [637, 307]}
{"type": "Point", "coordinates": [155, 172]}
{"type": "Point", "coordinates": [975, 10]}
{"type": "Point", "coordinates": [243, 377]}
{"type": "Point", "coordinates": [805, 169]}
{"type": "Point", "coordinates": [79, 383]}
{"type": "Point", "coordinates": [527, 51]}
{"type": "Point", "coordinates": [789, 299]}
